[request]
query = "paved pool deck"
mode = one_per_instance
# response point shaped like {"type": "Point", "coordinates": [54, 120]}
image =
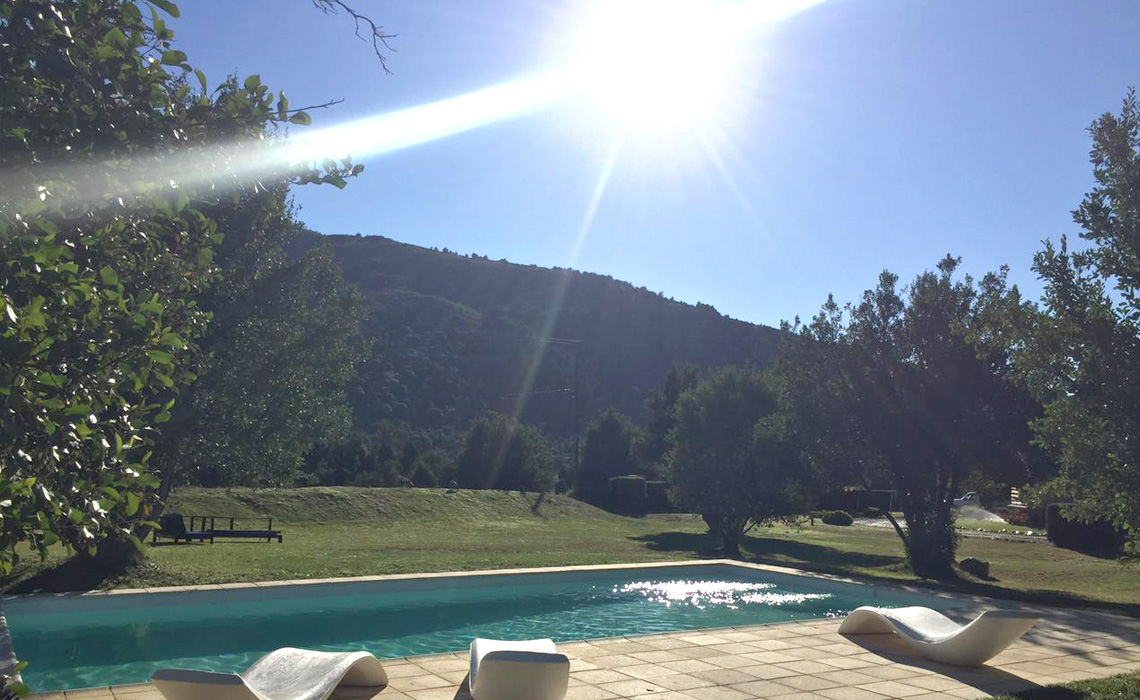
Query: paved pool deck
{"type": "Point", "coordinates": [805, 660]}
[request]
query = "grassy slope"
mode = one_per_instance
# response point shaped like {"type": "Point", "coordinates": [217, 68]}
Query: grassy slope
{"type": "Point", "coordinates": [1123, 687]}
{"type": "Point", "coordinates": [359, 531]}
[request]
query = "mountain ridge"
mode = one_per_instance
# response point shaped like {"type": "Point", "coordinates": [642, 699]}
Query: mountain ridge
{"type": "Point", "coordinates": [455, 336]}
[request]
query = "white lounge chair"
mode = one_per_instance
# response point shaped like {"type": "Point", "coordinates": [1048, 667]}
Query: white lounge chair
{"type": "Point", "coordinates": [939, 638]}
{"type": "Point", "coordinates": [530, 670]}
{"type": "Point", "coordinates": [285, 674]}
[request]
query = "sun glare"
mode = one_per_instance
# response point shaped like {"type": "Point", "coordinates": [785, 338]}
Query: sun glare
{"type": "Point", "coordinates": [657, 63]}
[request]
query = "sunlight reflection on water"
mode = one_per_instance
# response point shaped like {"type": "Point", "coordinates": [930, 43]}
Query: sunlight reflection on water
{"type": "Point", "coordinates": [701, 594]}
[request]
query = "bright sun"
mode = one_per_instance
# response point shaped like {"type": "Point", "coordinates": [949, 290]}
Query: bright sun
{"type": "Point", "coordinates": [661, 63]}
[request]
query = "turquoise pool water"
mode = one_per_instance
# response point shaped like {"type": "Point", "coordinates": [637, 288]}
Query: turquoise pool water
{"type": "Point", "coordinates": [72, 642]}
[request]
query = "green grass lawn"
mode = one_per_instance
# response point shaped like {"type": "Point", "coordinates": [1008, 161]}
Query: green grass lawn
{"type": "Point", "coordinates": [1123, 687]}
{"type": "Point", "coordinates": [351, 532]}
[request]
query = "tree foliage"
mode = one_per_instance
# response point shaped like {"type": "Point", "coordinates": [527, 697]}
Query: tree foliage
{"type": "Point", "coordinates": [500, 453]}
{"type": "Point", "coordinates": [1081, 354]}
{"type": "Point", "coordinates": [609, 450]}
{"type": "Point", "coordinates": [660, 417]}
{"type": "Point", "coordinates": [282, 345]}
{"type": "Point", "coordinates": [908, 387]}
{"type": "Point", "coordinates": [391, 454]}
{"type": "Point", "coordinates": [731, 459]}
{"type": "Point", "coordinates": [101, 260]}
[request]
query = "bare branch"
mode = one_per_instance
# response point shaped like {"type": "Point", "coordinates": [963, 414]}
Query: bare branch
{"type": "Point", "coordinates": [379, 36]}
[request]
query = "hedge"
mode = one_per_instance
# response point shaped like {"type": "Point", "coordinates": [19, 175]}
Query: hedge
{"type": "Point", "coordinates": [837, 517]}
{"type": "Point", "coordinates": [1098, 536]}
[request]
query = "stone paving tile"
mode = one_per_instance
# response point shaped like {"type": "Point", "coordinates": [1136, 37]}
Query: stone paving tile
{"type": "Point", "coordinates": [452, 664]}
{"type": "Point", "coordinates": [729, 661]}
{"type": "Point", "coordinates": [808, 682]}
{"type": "Point", "coordinates": [767, 672]}
{"type": "Point", "coordinates": [697, 652]}
{"type": "Point", "coordinates": [614, 661]}
{"type": "Point", "coordinates": [667, 695]}
{"type": "Point", "coordinates": [893, 689]}
{"type": "Point", "coordinates": [726, 676]}
{"type": "Point", "coordinates": [632, 687]}
{"type": "Point", "coordinates": [770, 657]}
{"type": "Point", "coordinates": [801, 696]}
{"type": "Point", "coordinates": [847, 677]}
{"type": "Point", "coordinates": [664, 643]}
{"type": "Point", "coordinates": [845, 692]}
{"type": "Point", "coordinates": [934, 683]}
{"type": "Point", "coordinates": [690, 665]}
{"type": "Point", "coordinates": [847, 663]}
{"type": "Point", "coordinates": [682, 682]}
{"type": "Point", "coordinates": [588, 692]}
{"type": "Point", "coordinates": [806, 666]}
{"type": "Point", "coordinates": [888, 673]}
{"type": "Point", "coordinates": [717, 692]}
{"type": "Point", "coordinates": [764, 689]}
{"type": "Point", "coordinates": [424, 681]}
{"type": "Point", "coordinates": [647, 671]}
{"type": "Point", "coordinates": [656, 657]}
{"type": "Point", "coordinates": [602, 675]}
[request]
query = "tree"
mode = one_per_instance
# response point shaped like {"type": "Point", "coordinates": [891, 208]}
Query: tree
{"type": "Point", "coordinates": [660, 417]}
{"type": "Point", "coordinates": [500, 453]}
{"type": "Point", "coordinates": [1081, 355]}
{"type": "Point", "coordinates": [908, 388]}
{"type": "Point", "coordinates": [281, 347]}
{"type": "Point", "coordinates": [731, 459]}
{"type": "Point", "coordinates": [103, 251]}
{"type": "Point", "coordinates": [608, 451]}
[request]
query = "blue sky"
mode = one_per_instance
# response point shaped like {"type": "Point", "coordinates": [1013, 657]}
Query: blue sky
{"type": "Point", "coordinates": [856, 135]}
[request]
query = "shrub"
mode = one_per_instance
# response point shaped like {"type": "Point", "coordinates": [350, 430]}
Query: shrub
{"type": "Point", "coordinates": [1098, 536]}
{"type": "Point", "coordinates": [837, 517]}
{"type": "Point", "coordinates": [872, 512]}
{"type": "Point", "coordinates": [628, 494]}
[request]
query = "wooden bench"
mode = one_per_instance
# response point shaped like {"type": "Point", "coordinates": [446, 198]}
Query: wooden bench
{"type": "Point", "coordinates": [173, 526]}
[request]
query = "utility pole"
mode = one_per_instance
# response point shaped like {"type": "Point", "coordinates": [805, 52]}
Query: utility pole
{"type": "Point", "coordinates": [576, 427]}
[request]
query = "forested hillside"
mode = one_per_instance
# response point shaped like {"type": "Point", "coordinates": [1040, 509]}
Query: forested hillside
{"type": "Point", "coordinates": [456, 336]}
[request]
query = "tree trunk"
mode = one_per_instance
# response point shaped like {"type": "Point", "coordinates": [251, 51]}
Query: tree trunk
{"type": "Point", "coordinates": [930, 551]}
{"type": "Point", "coordinates": [730, 537]}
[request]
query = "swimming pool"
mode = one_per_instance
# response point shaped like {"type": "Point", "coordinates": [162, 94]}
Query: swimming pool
{"type": "Point", "coordinates": [78, 642]}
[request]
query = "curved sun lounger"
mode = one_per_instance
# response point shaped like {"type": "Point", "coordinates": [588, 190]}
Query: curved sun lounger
{"type": "Point", "coordinates": [285, 674]}
{"type": "Point", "coordinates": [939, 638]}
{"type": "Point", "coordinates": [530, 670]}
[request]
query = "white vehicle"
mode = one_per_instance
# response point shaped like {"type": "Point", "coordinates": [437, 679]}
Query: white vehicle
{"type": "Point", "coordinates": [970, 499]}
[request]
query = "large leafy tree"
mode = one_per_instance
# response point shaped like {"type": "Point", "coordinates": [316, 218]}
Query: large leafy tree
{"type": "Point", "coordinates": [104, 248]}
{"type": "Point", "coordinates": [1082, 353]}
{"type": "Point", "coordinates": [660, 418]}
{"type": "Point", "coordinates": [500, 453]}
{"type": "Point", "coordinates": [907, 388]}
{"type": "Point", "coordinates": [731, 459]}
{"type": "Point", "coordinates": [609, 450]}
{"type": "Point", "coordinates": [281, 346]}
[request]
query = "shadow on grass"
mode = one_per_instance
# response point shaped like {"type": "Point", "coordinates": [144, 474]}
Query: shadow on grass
{"type": "Point", "coordinates": [770, 551]}
{"type": "Point", "coordinates": [77, 573]}
{"type": "Point", "coordinates": [829, 560]}
{"type": "Point", "coordinates": [1113, 688]}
